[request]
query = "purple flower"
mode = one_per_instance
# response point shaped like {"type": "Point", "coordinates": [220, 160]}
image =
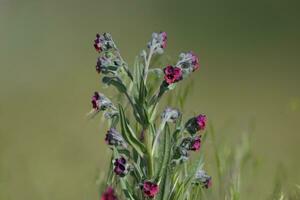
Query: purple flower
{"type": "Point", "coordinates": [100, 102]}
{"type": "Point", "coordinates": [201, 121]}
{"type": "Point", "coordinates": [114, 138]}
{"type": "Point", "coordinates": [196, 143]}
{"type": "Point", "coordinates": [103, 42]}
{"type": "Point", "coordinates": [109, 194]}
{"type": "Point", "coordinates": [120, 166]}
{"type": "Point", "coordinates": [108, 63]}
{"type": "Point", "coordinates": [172, 74]}
{"type": "Point", "coordinates": [150, 189]}
{"type": "Point", "coordinates": [158, 42]}
{"type": "Point", "coordinates": [202, 178]}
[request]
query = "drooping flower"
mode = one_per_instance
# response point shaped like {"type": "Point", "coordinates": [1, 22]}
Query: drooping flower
{"type": "Point", "coordinates": [108, 63]}
{"type": "Point", "coordinates": [150, 189]}
{"type": "Point", "coordinates": [109, 194]}
{"type": "Point", "coordinates": [120, 166]}
{"type": "Point", "coordinates": [100, 102]}
{"type": "Point", "coordinates": [196, 143]}
{"type": "Point", "coordinates": [201, 121]}
{"type": "Point", "coordinates": [114, 138]}
{"type": "Point", "coordinates": [196, 123]}
{"type": "Point", "coordinates": [158, 42]}
{"type": "Point", "coordinates": [202, 178]}
{"type": "Point", "coordinates": [188, 62]}
{"type": "Point", "coordinates": [170, 115]}
{"type": "Point", "coordinates": [172, 74]}
{"type": "Point", "coordinates": [103, 42]}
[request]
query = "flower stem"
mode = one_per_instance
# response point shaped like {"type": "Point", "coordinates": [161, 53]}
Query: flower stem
{"type": "Point", "coordinates": [148, 144]}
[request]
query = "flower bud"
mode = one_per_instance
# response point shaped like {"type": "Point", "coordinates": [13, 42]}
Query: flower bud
{"type": "Point", "coordinates": [108, 63]}
{"type": "Point", "coordinates": [158, 42]}
{"type": "Point", "coordinates": [202, 178]}
{"type": "Point", "coordinates": [100, 102]}
{"type": "Point", "coordinates": [188, 62]}
{"type": "Point", "coordinates": [170, 115]}
{"type": "Point", "coordinates": [196, 123]}
{"type": "Point", "coordinates": [103, 42]}
{"type": "Point", "coordinates": [114, 138]}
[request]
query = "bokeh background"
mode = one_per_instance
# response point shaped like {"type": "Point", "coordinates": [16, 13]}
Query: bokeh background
{"type": "Point", "coordinates": [249, 73]}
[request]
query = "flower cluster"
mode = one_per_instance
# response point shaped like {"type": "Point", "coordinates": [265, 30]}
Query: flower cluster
{"type": "Point", "coordinates": [196, 124]}
{"type": "Point", "coordinates": [114, 138]}
{"type": "Point", "coordinates": [203, 179]}
{"type": "Point", "coordinates": [158, 42]}
{"type": "Point", "coordinates": [150, 189]}
{"type": "Point", "coordinates": [121, 167]}
{"type": "Point", "coordinates": [103, 42]}
{"type": "Point", "coordinates": [109, 194]}
{"type": "Point", "coordinates": [153, 158]}
{"type": "Point", "coordinates": [100, 102]}
{"type": "Point", "coordinates": [108, 63]}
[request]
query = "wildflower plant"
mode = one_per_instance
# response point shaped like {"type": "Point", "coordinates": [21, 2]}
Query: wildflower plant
{"type": "Point", "coordinates": [151, 150]}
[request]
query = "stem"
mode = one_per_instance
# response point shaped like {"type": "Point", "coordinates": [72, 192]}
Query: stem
{"type": "Point", "coordinates": [148, 144]}
{"type": "Point", "coordinates": [147, 64]}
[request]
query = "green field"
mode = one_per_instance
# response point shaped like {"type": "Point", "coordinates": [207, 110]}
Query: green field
{"type": "Point", "coordinates": [248, 83]}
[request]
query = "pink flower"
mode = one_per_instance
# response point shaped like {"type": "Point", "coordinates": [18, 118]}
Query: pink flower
{"type": "Point", "coordinates": [172, 74]}
{"type": "Point", "coordinates": [109, 194]}
{"type": "Point", "coordinates": [195, 61]}
{"type": "Point", "coordinates": [120, 166]}
{"type": "Point", "coordinates": [196, 144]}
{"type": "Point", "coordinates": [201, 121]}
{"type": "Point", "coordinates": [163, 36]}
{"type": "Point", "coordinates": [150, 189]}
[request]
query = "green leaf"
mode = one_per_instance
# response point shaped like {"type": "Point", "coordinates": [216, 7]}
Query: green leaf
{"type": "Point", "coordinates": [115, 81]}
{"type": "Point", "coordinates": [129, 135]}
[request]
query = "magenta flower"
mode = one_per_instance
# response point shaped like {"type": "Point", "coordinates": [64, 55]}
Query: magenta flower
{"type": "Point", "coordinates": [201, 121]}
{"type": "Point", "coordinates": [172, 74]}
{"type": "Point", "coordinates": [120, 166]}
{"type": "Point", "coordinates": [150, 189]}
{"type": "Point", "coordinates": [196, 144]}
{"type": "Point", "coordinates": [109, 194]}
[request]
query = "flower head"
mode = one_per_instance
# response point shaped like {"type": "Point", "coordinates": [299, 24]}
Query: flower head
{"type": "Point", "coordinates": [114, 138]}
{"type": "Point", "coordinates": [201, 121]}
{"type": "Point", "coordinates": [196, 143]}
{"type": "Point", "coordinates": [188, 62]}
{"type": "Point", "coordinates": [170, 115]}
{"type": "Point", "coordinates": [103, 42]}
{"type": "Point", "coordinates": [150, 189]}
{"type": "Point", "coordinates": [100, 102]}
{"type": "Point", "coordinates": [120, 166]}
{"type": "Point", "coordinates": [202, 178]}
{"type": "Point", "coordinates": [172, 74]}
{"type": "Point", "coordinates": [158, 42]}
{"type": "Point", "coordinates": [196, 123]}
{"type": "Point", "coordinates": [109, 194]}
{"type": "Point", "coordinates": [108, 63]}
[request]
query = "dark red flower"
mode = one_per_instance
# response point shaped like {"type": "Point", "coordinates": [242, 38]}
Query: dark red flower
{"type": "Point", "coordinates": [172, 74]}
{"type": "Point", "coordinates": [150, 189]}
{"type": "Point", "coordinates": [97, 43]}
{"type": "Point", "coordinates": [196, 144]}
{"type": "Point", "coordinates": [96, 101]}
{"type": "Point", "coordinates": [109, 194]}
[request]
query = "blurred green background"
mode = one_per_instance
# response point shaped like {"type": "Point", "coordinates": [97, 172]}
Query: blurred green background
{"type": "Point", "coordinates": [249, 72]}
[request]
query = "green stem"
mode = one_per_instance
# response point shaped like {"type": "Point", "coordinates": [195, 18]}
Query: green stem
{"type": "Point", "coordinates": [148, 144]}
